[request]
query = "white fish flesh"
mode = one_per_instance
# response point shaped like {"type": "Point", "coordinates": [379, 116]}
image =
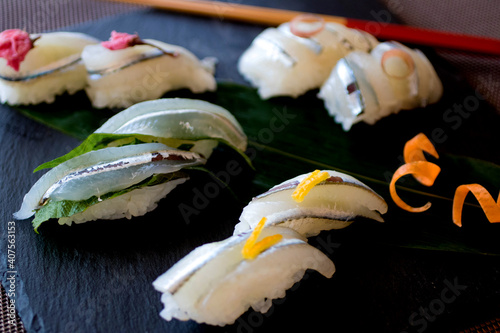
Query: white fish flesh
{"type": "Point", "coordinates": [121, 78]}
{"type": "Point", "coordinates": [53, 66]}
{"type": "Point", "coordinates": [179, 119]}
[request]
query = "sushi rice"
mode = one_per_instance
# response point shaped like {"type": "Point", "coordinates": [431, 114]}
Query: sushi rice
{"type": "Point", "coordinates": [134, 203]}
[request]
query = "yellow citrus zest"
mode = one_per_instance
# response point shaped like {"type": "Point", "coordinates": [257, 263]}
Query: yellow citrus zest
{"type": "Point", "coordinates": [253, 248]}
{"type": "Point", "coordinates": [262, 246]}
{"type": "Point", "coordinates": [308, 183]}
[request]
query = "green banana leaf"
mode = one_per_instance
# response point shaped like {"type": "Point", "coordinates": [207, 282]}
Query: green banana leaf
{"type": "Point", "coordinates": [289, 136]}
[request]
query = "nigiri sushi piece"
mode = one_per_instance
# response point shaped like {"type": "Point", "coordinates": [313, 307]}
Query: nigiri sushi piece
{"type": "Point", "coordinates": [186, 124]}
{"type": "Point", "coordinates": [180, 121]}
{"type": "Point", "coordinates": [291, 59]}
{"type": "Point", "coordinates": [36, 68]}
{"type": "Point", "coordinates": [369, 86]}
{"type": "Point", "coordinates": [108, 183]}
{"type": "Point", "coordinates": [217, 282]}
{"type": "Point", "coordinates": [126, 70]}
{"type": "Point", "coordinates": [332, 202]}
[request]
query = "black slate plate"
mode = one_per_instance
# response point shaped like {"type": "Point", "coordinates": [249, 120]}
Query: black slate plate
{"type": "Point", "coordinates": [97, 277]}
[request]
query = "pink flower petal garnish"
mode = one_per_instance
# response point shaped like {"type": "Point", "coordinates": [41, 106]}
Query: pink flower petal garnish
{"type": "Point", "coordinates": [121, 40]}
{"type": "Point", "coordinates": [14, 45]}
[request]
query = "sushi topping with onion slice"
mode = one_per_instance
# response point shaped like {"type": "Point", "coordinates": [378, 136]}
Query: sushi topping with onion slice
{"type": "Point", "coordinates": [369, 86]}
{"type": "Point", "coordinates": [297, 56]}
{"type": "Point", "coordinates": [307, 25]}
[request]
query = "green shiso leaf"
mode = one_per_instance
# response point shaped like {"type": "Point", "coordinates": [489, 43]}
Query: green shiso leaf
{"type": "Point", "coordinates": [97, 141]}
{"type": "Point", "coordinates": [66, 208]}
{"type": "Point", "coordinates": [94, 141]}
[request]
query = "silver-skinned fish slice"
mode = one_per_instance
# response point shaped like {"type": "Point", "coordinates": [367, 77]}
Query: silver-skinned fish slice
{"type": "Point", "coordinates": [331, 204]}
{"type": "Point", "coordinates": [107, 171]}
{"type": "Point", "coordinates": [215, 284]}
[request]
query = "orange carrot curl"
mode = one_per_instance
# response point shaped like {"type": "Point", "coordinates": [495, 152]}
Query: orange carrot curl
{"type": "Point", "coordinates": [416, 164]}
{"type": "Point", "coordinates": [415, 147]}
{"type": "Point", "coordinates": [488, 204]}
{"type": "Point", "coordinates": [427, 173]}
{"type": "Point", "coordinates": [414, 150]}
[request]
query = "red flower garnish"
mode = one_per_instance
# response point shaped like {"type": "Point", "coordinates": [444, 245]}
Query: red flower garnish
{"type": "Point", "coordinates": [121, 40]}
{"type": "Point", "coordinates": [14, 45]}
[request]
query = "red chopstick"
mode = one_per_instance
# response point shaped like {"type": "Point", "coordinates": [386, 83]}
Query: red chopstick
{"type": "Point", "coordinates": [428, 37]}
{"type": "Point", "coordinates": [381, 30]}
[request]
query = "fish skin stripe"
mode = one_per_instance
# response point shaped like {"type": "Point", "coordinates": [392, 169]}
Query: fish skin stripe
{"type": "Point", "coordinates": [174, 285]}
{"type": "Point", "coordinates": [71, 60]}
{"type": "Point", "coordinates": [118, 164]}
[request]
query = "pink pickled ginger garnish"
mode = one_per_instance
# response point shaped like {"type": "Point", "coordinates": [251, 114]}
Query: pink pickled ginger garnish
{"type": "Point", "coordinates": [121, 40]}
{"type": "Point", "coordinates": [14, 45]}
